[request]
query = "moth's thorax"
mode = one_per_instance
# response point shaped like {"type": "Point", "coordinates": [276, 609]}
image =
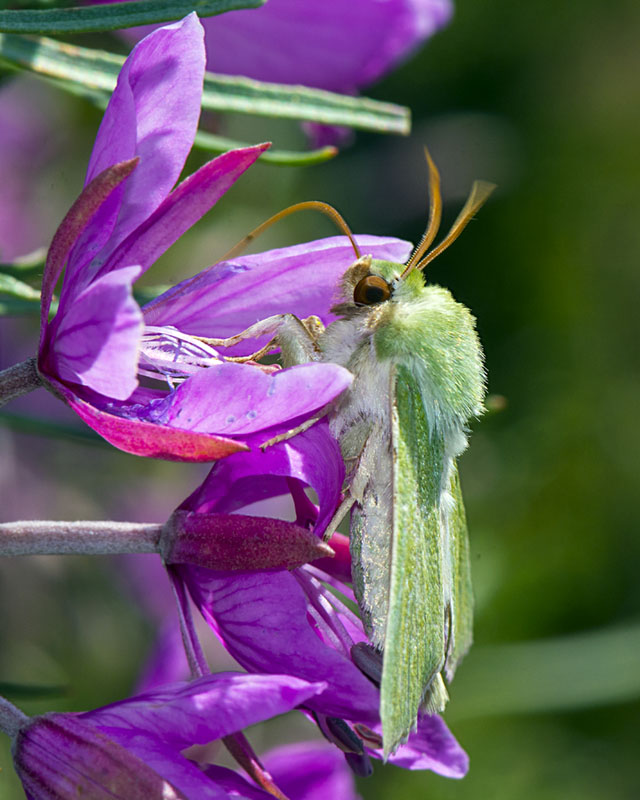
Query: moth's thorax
{"type": "Point", "coordinates": [420, 327]}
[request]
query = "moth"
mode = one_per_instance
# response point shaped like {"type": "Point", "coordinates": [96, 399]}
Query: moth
{"type": "Point", "coordinates": [418, 379]}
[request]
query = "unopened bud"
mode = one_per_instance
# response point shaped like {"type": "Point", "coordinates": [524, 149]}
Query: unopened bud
{"type": "Point", "coordinates": [62, 757]}
{"type": "Point", "coordinates": [230, 542]}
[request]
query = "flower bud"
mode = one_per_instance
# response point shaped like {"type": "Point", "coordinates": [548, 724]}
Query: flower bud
{"type": "Point", "coordinates": [229, 542]}
{"type": "Point", "coordinates": [62, 757]}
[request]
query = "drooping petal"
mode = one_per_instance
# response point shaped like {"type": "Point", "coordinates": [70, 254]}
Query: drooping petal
{"type": "Point", "coordinates": [184, 207]}
{"type": "Point", "coordinates": [228, 297]}
{"type": "Point", "coordinates": [199, 711]}
{"type": "Point", "coordinates": [239, 400]}
{"type": "Point", "coordinates": [146, 438]}
{"type": "Point", "coordinates": [432, 746]}
{"type": "Point", "coordinates": [262, 620]}
{"type": "Point", "coordinates": [312, 458]}
{"type": "Point", "coordinates": [311, 771]}
{"type": "Point", "coordinates": [96, 341]}
{"type": "Point", "coordinates": [331, 44]}
{"type": "Point", "coordinates": [153, 113]}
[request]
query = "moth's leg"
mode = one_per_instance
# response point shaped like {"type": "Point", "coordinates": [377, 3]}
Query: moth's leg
{"type": "Point", "coordinates": [282, 437]}
{"type": "Point", "coordinates": [296, 338]}
{"type": "Point", "coordinates": [341, 513]}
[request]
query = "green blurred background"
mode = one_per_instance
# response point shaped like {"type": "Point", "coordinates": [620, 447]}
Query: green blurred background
{"type": "Point", "coordinates": [543, 98]}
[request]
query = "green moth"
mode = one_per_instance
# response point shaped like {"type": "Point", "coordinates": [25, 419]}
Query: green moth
{"type": "Point", "coordinates": [418, 379]}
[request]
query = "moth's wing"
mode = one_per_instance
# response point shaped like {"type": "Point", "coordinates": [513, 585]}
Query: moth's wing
{"type": "Point", "coordinates": [462, 600]}
{"type": "Point", "coordinates": [417, 628]}
{"type": "Point", "coordinates": [369, 533]}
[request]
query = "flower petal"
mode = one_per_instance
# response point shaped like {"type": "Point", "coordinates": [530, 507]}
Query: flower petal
{"type": "Point", "coordinates": [153, 113]}
{"type": "Point", "coordinates": [312, 458]}
{"type": "Point", "coordinates": [311, 771]}
{"type": "Point", "coordinates": [228, 297]}
{"type": "Point", "coordinates": [238, 399]}
{"type": "Point", "coordinates": [199, 711]}
{"type": "Point", "coordinates": [95, 342]}
{"type": "Point", "coordinates": [262, 621]}
{"type": "Point", "coordinates": [81, 214]}
{"type": "Point", "coordinates": [432, 746]}
{"type": "Point", "coordinates": [331, 44]}
{"type": "Point", "coordinates": [146, 438]}
{"type": "Point", "coordinates": [184, 207]}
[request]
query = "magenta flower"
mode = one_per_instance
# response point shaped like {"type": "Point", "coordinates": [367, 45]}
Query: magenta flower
{"type": "Point", "coordinates": [134, 749]}
{"type": "Point", "coordinates": [93, 350]}
{"type": "Point", "coordinates": [294, 622]}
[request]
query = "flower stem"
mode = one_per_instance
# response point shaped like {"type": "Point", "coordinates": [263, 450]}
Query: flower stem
{"type": "Point", "coordinates": [42, 537]}
{"type": "Point", "coordinates": [18, 380]}
{"type": "Point", "coordinates": [11, 718]}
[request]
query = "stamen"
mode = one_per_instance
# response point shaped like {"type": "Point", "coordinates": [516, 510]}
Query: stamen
{"type": "Point", "coordinates": [368, 660]}
{"type": "Point", "coordinates": [340, 734]}
{"type": "Point", "coordinates": [359, 765]}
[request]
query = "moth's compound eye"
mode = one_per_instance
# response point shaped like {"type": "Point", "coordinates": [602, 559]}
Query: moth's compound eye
{"type": "Point", "coordinates": [370, 290]}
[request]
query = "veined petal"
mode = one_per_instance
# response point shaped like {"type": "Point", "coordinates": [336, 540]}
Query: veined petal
{"type": "Point", "coordinates": [96, 341]}
{"type": "Point", "coordinates": [331, 44]}
{"type": "Point", "coordinates": [199, 711]}
{"type": "Point", "coordinates": [155, 110]}
{"type": "Point", "coordinates": [238, 399]}
{"type": "Point", "coordinates": [184, 207]}
{"type": "Point", "coordinates": [311, 458]}
{"type": "Point", "coordinates": [432, 746]}
{"type": "Point", "coordinates": [146, 438]}
{"type": "Point", "coordinates": [263, 622]}
{"type": "Point", "coordinates": [231, 295]}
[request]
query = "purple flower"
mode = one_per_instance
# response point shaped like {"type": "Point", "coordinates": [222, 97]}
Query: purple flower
{"type": "Point", "coordinates": [134, 749]}
{"type": "Point", "coordinates": [95, 347]}
{"type": "Point", "coordinates": [311, 771]}
{"type": "Point", "coordinates": [301, 622]}
{"type": "Point", "coordinates": [327, 44]}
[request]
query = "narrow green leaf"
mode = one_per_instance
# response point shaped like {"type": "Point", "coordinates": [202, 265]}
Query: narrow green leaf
{"type": "Point", "coordinates": [53, 430]}
{"type": "Point", "coordinates": [113, 16]}
{"type": "Point", "coordinates": [92, 72]}
{"type": "Point", "coordinates": [286, 158]}
{"type": "Point", "coordinates": [562, 674]}
{"type": "Point", "coordinates": [246, 96]}
{"type": "Point", "coordinates": [145, 294]}
{"type": "Point", "coordinates": [19, 289]}
{"type": "Point", "coordinates": [25, 691]}
{"type": "Point", "coordinates": [26, 266]}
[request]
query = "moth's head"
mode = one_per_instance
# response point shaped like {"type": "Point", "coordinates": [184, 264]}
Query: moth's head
{"type": "Point", "coordinates": [373, 283]}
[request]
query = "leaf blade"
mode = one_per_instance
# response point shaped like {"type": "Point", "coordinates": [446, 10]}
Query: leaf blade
{"type": "Point", "coordinates": [95, 19]}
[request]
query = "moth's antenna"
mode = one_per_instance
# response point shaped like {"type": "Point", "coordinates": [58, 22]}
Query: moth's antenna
{"type": "Point", "coordinates": [435, 215]}
{"type": "Point", "coordinates": [325, 208]}
{"type": "Point", "coordinates": [479, 193]}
